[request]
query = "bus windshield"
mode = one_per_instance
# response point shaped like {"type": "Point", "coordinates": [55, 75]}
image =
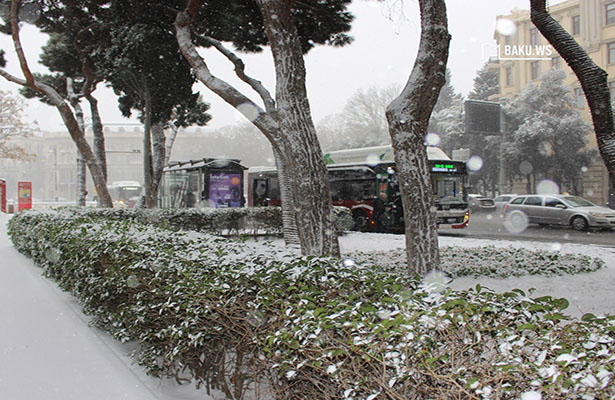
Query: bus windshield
{"type": "Point", "coordinates": [448, 189]}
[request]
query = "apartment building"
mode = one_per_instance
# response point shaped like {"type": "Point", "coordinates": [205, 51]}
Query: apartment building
{"type": "Point", "coordinates": [524, 54]}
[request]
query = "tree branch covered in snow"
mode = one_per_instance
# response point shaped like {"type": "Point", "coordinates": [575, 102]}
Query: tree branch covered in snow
{"type": "Point", "coordinates": [593, 79]}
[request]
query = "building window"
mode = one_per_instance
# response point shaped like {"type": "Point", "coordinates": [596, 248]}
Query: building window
{"type": "Point", "coordinates": [534, 40]}
{"type": "Point", "coordinates": [534, 70]}
{"type": "Point", "coordinates": [610, 14]}
{"type": "Point", "coordinates": [507, 40]}
{"type": "Point", "coordinates": [576, 25]}
{"type": "Point", "coordinates": [556, 63]}
{"type": "Point", "coordinates": [611, 53]}
{"type": "Point", "coordinates": [579, 97]}
{"type": "Point", "coordinates": [508, 76]}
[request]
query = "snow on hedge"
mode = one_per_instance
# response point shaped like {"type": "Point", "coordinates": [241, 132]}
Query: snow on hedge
{"type": "Point", "coordinates": [490, 261]}
{"type": "Point", "coordinates": [233, 316]}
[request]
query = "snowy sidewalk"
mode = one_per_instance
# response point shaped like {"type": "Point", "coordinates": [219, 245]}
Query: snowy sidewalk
{"type": "Point", "coordinates": [49, 352]}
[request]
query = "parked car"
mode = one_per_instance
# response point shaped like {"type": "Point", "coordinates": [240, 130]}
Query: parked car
{"type": "Point", "coordinates": [481, 203]}
{"type": "Point", "coordinates": [501, 200]}
{"type": "Point", "coordinates": [565, 210]}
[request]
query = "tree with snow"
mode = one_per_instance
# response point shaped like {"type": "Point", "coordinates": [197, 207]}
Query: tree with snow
{"type": "Point", "coordinates": [30, 81]}
{"type": "Point", "coordinates": [362, 122]}
{"type": "Point", "coordinates": [154, 80]}
{"type": "Point", "coordinates": [12, 126]}
{"type": "Point", "coordinates": [487, 147]}
{"type": "Point", "coordinates": [447, 117]}
{"type": "Point", "coordinates": [408, 117]}
{"type": "Point", "coordinates": [290, 29]}
{"type": "Point", "coordinates": [593, 79]}
{"type": "Point", "coordinates": [486, 83]}
{"type": "Point", "coordinates": [547, 135]}
{"type": "Point", "coordinates": [449, 124]}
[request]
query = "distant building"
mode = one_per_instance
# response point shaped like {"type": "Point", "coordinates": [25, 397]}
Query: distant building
{"type": "Point", "coordinates": [524, 54]}
{"type": "Point", "coordinates": [53, 173]}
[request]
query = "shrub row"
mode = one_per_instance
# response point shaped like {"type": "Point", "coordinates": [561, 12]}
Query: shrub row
{"type": "Point", "coordinates": [233, 317]}
{"type": "Point", "coordinates": [490, 261]}
{"type": "Point", "coordinates": [221, 221]}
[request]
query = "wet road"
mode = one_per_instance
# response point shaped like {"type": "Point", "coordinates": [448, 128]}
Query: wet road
{"type": "Point", "coordinates": [491, 226]}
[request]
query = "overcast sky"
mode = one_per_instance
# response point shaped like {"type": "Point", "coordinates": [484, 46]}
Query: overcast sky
{"type": "Point", "coordinates": [386, 41]}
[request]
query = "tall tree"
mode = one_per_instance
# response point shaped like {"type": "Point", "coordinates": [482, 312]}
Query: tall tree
{"type": "Point", "coordinates": [548, 133]}
{"type": "Point", "coordinates": [449, 102]}
{"type": "Point", "coordinates": [408, 117]}
{"type": "Point", "coordinates": [593, 79]}
{"type": "Point", "coordinates": [139, 72]}
{"type": "Point", "coordinates": [60, 103]}
{"type": "Point", "coordinates": [447, 96]}
{"type": "Point", "coordinates": [486, 83]}
{"type": "Point", "coordinates": [76, 33]}
{"type": "Point", "coordinates": [291, 29]}
{"type": "Point", "coordinates": [362, 122]}
{"type": "Point", "coordinates": [74, 80]}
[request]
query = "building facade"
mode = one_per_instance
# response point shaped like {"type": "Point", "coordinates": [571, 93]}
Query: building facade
{"type": "Point", "coordinates": [524, 54]}
{"type": "Point", "coordinates": [53, 172]}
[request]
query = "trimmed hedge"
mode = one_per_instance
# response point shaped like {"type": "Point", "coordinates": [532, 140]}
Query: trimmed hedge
{"type": "Point", "coordinates": [233, 316]}
{"type": "Point", "coordinates": [502, 262]}
{"type": "Point", "coordinates": [221, 221]}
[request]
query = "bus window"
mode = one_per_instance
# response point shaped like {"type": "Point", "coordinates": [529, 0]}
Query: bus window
{"type": "Point", "coordinates": [260, 192]}
{"type": "Point", "coordinates": [361, 190]}
{"type": "Point", "coordinates": [274, 188]}
{"type": "Point", "coordinates": [448, 189]}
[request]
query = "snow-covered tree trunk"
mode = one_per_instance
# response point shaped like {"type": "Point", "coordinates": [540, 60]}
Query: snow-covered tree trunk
{"type": "Point", "coordinates": [98, 134]}
{"type": "Point", "coordinates": [300, 152]}
{"type": "Point", "coordinates": [81, 172]}
{"type": "Point", "coordinates": [593, 79]}
{"type": "Point", "coordinates": [268, 122]}
{"type": "Point", "coordinates": [158, 159]}
{"type": "Point", "coordinates": [408, 117]}
{"type": "Point", "coordinates": [169, 144]}
{"type": "Point", "coordinates": [147, 154]}
{"type": "Point", "coordinates": [289, 218]}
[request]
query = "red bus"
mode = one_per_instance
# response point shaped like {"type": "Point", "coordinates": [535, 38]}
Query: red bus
{"type": "Point", "coordinates": [365, 181]}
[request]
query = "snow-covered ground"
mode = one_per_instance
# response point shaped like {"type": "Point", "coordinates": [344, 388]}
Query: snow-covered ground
{"type": "Point", "coordinates": [49, 351]}
{"type": "Point", "coordinates": [587, 292]}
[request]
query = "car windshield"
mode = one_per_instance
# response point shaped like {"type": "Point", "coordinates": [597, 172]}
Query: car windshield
{"type": "Point", "coordinates": [575, 201]}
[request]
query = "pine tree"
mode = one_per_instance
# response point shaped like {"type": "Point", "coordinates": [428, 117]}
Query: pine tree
{"type": "Point", "coordinates": [486, 83]}
{"type": "Point", "coordinates": [547, 133]}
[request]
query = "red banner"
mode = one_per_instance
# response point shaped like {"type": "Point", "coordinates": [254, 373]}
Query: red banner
{"type": "Point", "coordinates": [3, 195]}
{"type": "Point", "coordinates": [25, 195]}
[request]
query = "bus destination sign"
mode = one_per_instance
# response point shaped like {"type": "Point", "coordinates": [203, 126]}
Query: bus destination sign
{"type": "Point", "coordinates": [444, 168]}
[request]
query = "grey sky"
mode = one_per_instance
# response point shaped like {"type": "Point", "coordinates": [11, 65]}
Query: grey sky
{"type": "Point", "coordinates": [383, 53]}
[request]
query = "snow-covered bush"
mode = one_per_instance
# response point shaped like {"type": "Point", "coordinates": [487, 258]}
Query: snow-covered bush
{"type": "Point", "coordinates": [230, 315]}
{"type": "Point", "coordinates": [489, 261]}
{"type": "Point", "coordinates": [221, 221]}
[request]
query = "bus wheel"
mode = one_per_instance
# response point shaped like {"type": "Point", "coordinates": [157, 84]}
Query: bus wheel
{"type": "Point", "coordinates": [361, 221]}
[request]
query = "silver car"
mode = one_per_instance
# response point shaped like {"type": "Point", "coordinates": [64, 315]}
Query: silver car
{"type": "Point", "coordinates": [480, 203]}
{"type": "Point", "coordinates": [503, 199]}
{"type": "Point", "coordinates": [555, 209]}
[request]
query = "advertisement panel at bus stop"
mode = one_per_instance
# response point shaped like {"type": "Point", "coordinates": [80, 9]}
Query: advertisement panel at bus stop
{"type": "Point", "coordinates": [24, 190]}
{"type": "Point", "coordinates": [224, 190]}
{"type": "Point", "coordinates": [3, 195]}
